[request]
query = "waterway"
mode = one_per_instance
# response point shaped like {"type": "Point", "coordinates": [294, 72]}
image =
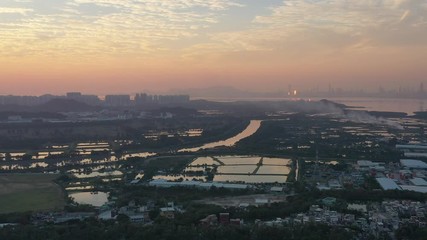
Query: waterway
{"type": "Point", "coordinates": [253, 126]}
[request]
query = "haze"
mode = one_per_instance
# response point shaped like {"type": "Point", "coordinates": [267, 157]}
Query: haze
{"type": "Point", "coordinates": [116, 46]}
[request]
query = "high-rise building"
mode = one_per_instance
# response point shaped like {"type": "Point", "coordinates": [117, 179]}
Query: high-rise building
{"type": "Point", "coordinates": [160, 99]}
{"type": "Point", "coordinates": [117, 100]}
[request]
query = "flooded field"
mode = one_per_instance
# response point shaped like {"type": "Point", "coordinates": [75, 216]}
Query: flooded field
{"type": "Point", "coordinates": [96, 199]}
{"type": "Point", "coordinates": [209, 161]}
{"type": "Point", "coordinates": [79, 188]}
{"type": "Point", "coordinates": [276, 161]}
{"type": "Point", "coordinates": [98, 174]}
{"type": "Point", "coordinates": [239, 160]}
{"type": "Point", "coordinates": [54, 159]}
{"type": "Point", "coordinates": [249, 169]}
{"type": "Point", "coordinates": [141, 155]}
{"type": "Point", "coordinates": [190, 169]}
{"type": "Point", "coordinates": [273, 170]}
{"type": "Point", "coordinates": [242, 169]}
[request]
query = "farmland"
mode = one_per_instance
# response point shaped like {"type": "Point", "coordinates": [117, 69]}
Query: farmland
{"type": "Point", "coordinates": [29, 192]}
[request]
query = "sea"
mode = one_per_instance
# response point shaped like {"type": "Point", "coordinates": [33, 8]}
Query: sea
{"type": "Point", "coordinates": [409, 106]}
{"type": "Point", "coordinates": [404, 105]}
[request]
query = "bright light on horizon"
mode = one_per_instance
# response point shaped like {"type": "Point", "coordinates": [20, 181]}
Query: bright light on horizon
{"type": "Point", "coordinates": [104, 46]}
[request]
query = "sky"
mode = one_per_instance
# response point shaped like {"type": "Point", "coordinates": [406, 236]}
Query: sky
{"type": "Point", "coordinates": [128, 46]}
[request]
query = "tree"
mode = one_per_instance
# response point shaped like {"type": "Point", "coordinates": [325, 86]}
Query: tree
{"type": "Point", "coordinates": [123, 219]}
{"type": "Point", "coordinates": [7, 157]}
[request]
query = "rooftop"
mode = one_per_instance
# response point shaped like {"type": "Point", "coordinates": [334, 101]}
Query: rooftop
{"type": "Point", "coordinates": [419, 147]}
{"type": "Point", "coordinates": [418, 181]}
{"type": "Point", "coordinates": [388, 184]}
{"type": "Point", "coordinates": [411, 163]}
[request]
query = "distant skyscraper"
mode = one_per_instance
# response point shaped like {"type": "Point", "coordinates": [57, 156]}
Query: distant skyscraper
{"type": "Point", "coordinates": [117, 100]}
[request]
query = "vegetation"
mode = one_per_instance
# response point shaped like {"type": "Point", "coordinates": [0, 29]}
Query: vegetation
{"type": "Point", "coordinates": [29, 192]}
{"type": "Point", "coordinates": [143, 194]}
{"type": "Point", "coordinates": [93, 229]}
{"type": "Point", "coordinates": [300, 135]}
{"type": "Point", "coordinates": [411, 232]}
{"type": "Point", "coordinates": [35, 135]}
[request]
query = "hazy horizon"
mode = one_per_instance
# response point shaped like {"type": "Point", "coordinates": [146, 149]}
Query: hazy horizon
{"type": "Point", "coordinates": [111, 46]}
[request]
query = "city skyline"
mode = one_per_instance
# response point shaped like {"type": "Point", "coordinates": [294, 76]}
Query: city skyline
{"type": "Point", "coordinates": [110, 46]}
{"type": "Point", "coordinates": [228, 92]}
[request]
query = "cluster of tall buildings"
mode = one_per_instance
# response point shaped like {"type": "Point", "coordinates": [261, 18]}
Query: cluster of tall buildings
{"type": "Point", "coordinates": [143, 98]}
{"type": "Point", "coordinates": [25, 100]}
{"type": "Point", "coordinates": [94, 100]}
{"type": "Point", "coordinates": [381, 92]}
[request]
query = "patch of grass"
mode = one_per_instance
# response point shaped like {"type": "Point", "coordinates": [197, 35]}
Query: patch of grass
{"type": "Point", "coordinates": [29, 192]}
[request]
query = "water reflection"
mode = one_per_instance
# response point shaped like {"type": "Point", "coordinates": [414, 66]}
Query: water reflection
{"type": "Point", "coordinates": [96, 199]}
{"type": "Point", "coordinates": [253, 126]}
{"type": "Point", "coordinates": [98, 174]}
{"type": "Point", "coordinates": [140, 155]}
{"type": "Point", "coordinates": [208, 161]}
{"type": "Point", "coordinates": [79, 188]}
{"type": "Point", "coordinates": [250, 169]}
{"type": "Point", "coordinates": [241, 169]}
{"type": "Point", "coordinates": [39, 165]}
{"type": "Point", "coordinates": [276, 161]}
{"type": "Point", "coordinates": [282, 170]}
{"type": "Point", "coordinates": [139, 176]}
{"type": "Point", "coordinates": [239, 160]}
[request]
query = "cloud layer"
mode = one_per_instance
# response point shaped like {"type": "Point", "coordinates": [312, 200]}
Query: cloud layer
{"type": "Point", "coordinates": [274, 37]}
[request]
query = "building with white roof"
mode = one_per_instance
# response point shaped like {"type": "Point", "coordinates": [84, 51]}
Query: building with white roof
{"type": "Point", "coordinates": [413, 150]}
{"type": "Point", "coordinates": [418, 181]}
{"type": "Point", "coordinates": [415, 154]}
{"type": "Point", "coordinates": [411, 147]}
{"type": "Point", "coordinates": [388, 184]}
{"type": "Point", "coordinates": [413, 164]}
{"type": "Point", "coordinates": [365, 165]}
{"type": "Point", "coordinates": [276, 189]}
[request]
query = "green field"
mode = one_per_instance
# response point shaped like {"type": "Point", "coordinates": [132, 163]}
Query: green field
{"type": "Point", "coordinates": [29, 192]}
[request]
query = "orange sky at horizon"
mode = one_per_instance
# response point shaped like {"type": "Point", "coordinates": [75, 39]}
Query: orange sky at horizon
{"type": "Point", "coordinates": [110, 46]}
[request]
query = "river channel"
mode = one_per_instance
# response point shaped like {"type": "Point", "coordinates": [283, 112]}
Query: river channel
{"type": "Point", "coordinates": [253, 126]}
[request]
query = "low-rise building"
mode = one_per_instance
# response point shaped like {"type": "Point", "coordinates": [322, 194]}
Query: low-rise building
{"type": "Point", "coordinates": [167, 212]}
{"type": "Point", "coordinates": [413, 164]}
{"type": "Point", "coordinates": [387, 184]}
{"type": "Point", "coordinates": [209, 220]}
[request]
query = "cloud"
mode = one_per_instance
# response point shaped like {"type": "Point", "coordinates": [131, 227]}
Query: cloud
{"type": "Point", "coordinates": [289, 33]}
{"type": "Point", "coordinates": [333, 24]}
{"type": "Point", "coordinates": [404, 15]}
{"type": "Point", "coordinates": [105, 27]}
{"type": "Point", "coordinates": [23, 11]}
